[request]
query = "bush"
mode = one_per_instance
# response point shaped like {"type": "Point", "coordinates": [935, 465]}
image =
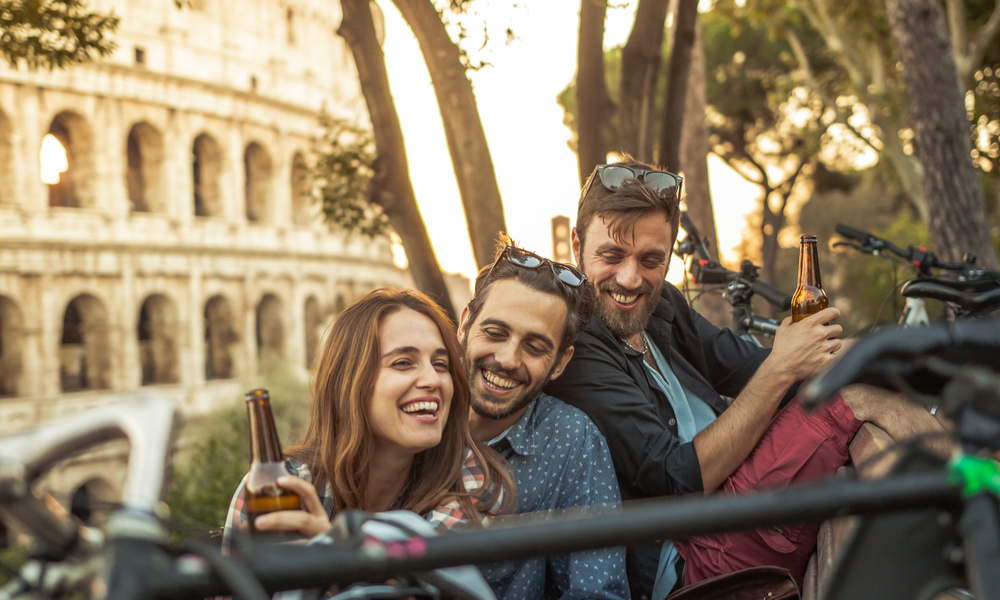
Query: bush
{"type": "Point", "coordinates": [204, 483]}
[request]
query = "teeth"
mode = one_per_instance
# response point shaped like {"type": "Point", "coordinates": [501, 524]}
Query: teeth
{"type": "Point", "coordinates": [500, 382]}
{"type": "Point", "coordinates": [420, 406]}
{"type": "Point", "coordinates": [624, 299]}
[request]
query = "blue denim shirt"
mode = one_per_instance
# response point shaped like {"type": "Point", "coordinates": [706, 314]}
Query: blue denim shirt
{"type": "Point", "coordinates": [560, 460]}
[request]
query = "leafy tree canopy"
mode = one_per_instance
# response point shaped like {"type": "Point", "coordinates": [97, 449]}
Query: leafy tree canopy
{"type": "Point", "coordinates": [50, 34]}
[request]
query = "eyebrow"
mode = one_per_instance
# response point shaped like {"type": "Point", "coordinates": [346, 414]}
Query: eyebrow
{"type": "Point", "coordinates": [413, 350]}
{"type": "Point", "coordinates": [608, 246]}
{"type": "Point", "coordinates": [612, 247]}
{"type": "Point", "coordinates": [541, 336]}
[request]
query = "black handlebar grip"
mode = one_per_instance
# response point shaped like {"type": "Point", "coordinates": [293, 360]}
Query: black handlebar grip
{"type": "Point", "coordinates": [852, 233]}
{"type": "Point", "coordinates": [775, 297]}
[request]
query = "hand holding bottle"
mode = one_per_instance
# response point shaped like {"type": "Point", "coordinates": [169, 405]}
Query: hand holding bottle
{"type": "Point", "coordinates": [308, 522]}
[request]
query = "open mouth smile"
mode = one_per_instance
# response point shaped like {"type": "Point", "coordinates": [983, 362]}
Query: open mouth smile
{"type": "Point", "coordinates": [422, 409]}
{"type": "Point", "coordinates": [499, 383]}
{"type": "Point", "coordinates": [624, 299]}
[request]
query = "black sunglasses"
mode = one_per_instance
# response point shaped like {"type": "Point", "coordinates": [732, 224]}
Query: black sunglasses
{"type": "Point", "coordinates": [665, 184]}
{"type": "Point", "coordinates": [571, 276]}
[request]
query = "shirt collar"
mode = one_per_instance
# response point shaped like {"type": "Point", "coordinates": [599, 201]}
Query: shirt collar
{"type": "Point", "coordinates": [521, 435]}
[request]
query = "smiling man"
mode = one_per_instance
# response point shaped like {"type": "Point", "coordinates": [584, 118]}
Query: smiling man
{"type": "Point", "coordinates": [649, 371]}
{"type": "Point", "coordinates": [517, 333]}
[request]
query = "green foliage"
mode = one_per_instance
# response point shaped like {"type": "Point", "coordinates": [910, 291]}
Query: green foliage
{"type": "Point", "coordinates": [216, 462]}
{"type": "Point", "coordinates": [341, 175]}
{"type": "Point", "coordinates": [53, 33]}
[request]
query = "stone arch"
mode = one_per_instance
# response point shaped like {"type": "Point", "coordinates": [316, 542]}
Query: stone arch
{"type": "Point", "coordinates": [220, 337]}
{"type": "Point", "coordinates": [91, 501]}
{"type": "Point", "coordinates": [313, 327]}
{"type": "Point", "coordinates": [257, 168]}
{"type": "Point", "coordinates": [7, 154]}
{"type": "Point", "coordinates": [301, 205]}
{"type": "Point", "coordinates": [339, 305]}
{"type": "Point", "coordinates": [11, 342]}
{"type": "Point", "coordinates": [76, 185]}
{"type": "Point", "coordinates": [270, 330]}
{"type": "Point", "coordinates": [85, 348]}
{"type": "Point", "coordinates": [157, 332]}
{"type": "Point", "coordinates": [206, 167]}
{"type": "Point", "coordinates": [144, 158]}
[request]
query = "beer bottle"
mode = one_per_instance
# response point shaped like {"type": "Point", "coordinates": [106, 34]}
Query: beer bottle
{"type": "Point", "coordinates": [809, 297]}
{"type": "Point", "coordinates": [267, 462]}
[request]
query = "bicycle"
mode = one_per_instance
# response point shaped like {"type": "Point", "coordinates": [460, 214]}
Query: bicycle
{"type": "Point", "coordinates": [954, 364]}
{"type": "Point", "coordinates": [739, 287]}
{"type": "Point", "coordinates": [970, 292]}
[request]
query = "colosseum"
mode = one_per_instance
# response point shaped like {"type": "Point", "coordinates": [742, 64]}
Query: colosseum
{"type": "Point", "coordinates": [167, 241]}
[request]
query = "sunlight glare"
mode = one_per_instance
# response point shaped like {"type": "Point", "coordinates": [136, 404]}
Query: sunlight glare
{"type": "Point", "coordinates": [398, 252]}
{"type": "Point", "coordinates": [52, 158]}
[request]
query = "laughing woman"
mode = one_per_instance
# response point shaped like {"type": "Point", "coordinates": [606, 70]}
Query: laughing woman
{"type": "Point", "coordinates": [389, 425]}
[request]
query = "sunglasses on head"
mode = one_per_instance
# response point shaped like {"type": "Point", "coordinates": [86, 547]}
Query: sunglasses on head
{"type": "Point", "coordinates": [665, 184]}
{"type": "Point", "coordinates": [570, 276]}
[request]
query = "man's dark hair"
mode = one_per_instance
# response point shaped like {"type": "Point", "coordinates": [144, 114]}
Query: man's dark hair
{"type": "Point", "coordinates": [621, 208]}
{"type": "Point", "coordinates": [580, 300]}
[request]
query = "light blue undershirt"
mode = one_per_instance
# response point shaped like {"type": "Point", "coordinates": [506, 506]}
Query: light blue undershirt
{"type": "Point", "coordinates": [693, 415]}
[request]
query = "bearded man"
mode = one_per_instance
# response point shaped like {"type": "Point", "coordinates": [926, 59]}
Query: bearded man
{"type": "Point", "coordinates": [649, 370]}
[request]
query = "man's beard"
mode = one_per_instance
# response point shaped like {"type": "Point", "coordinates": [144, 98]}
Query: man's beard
{"type": "Point", "coordinates": [626, 324]}
{"type": "Point", "coordinates": [489, 406]}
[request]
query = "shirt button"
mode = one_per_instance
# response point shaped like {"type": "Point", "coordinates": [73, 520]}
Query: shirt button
{"type": "Point", "coordinates": [672, 422]}
{"type": "Point", "coordinates": [644, 597]}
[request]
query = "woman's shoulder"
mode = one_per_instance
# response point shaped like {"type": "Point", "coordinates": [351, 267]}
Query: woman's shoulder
{"type": "Point", "coordinates": [447, 516]}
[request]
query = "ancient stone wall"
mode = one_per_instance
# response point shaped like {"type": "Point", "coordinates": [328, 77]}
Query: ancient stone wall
{"type": "Point", "coordinates": [176, 251]}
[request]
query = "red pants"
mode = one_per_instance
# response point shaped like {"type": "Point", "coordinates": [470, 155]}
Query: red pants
{"type": "Point", "coordinates": [798, 446]}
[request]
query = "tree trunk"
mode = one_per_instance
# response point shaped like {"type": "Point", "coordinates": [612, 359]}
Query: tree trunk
{"type": "Point", "coordinates": [470, 154]}
{"type": "Point", "coordinates": [390, 187]}
{"type": "Point", "coordinates": [955, 201]}
{"type": "Point", "coordinates": [641, 59]}
{"type": "Point", "coordinates": [694, 163]}
{"type": "Point", "coordinates": [677, 82]}
{"type": "Point", "coordinates": [593, 106]}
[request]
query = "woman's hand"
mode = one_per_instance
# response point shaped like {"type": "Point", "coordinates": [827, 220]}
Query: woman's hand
{"type": "Point", "coordinates": [312, 520]}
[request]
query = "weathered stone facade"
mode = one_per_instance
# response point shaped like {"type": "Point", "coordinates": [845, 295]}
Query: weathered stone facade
{"type": "Point", "coordinates": [177, 251]}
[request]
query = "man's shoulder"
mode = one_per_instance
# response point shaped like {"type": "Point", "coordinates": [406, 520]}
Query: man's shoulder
{"type": "Point", "coordinates": [563, 422]}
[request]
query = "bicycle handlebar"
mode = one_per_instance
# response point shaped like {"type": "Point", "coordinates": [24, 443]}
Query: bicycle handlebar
{"type": "Point", "coordinates": [775, 297]}
{"type": "Point", "coordinates": [920, 258]}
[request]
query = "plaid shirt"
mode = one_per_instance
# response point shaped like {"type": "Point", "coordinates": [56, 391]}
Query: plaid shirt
{"type": "Point", "coordinates": [443, 518]}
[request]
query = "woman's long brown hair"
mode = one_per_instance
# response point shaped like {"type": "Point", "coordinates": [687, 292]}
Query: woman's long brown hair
{"type": "Point", "coordinates": [338, 442]}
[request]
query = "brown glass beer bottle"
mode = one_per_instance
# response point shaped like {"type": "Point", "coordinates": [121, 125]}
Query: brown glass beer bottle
{"type": "Point", "coordinates": [267, 462]}
{"type": "Point", "coordinates": [809, 297]}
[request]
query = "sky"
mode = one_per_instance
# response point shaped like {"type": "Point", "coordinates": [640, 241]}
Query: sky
{"type": "Point", "coordinates": [523, 124]}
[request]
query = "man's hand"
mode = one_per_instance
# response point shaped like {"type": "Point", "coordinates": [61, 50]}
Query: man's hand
{"type": "Point", "coordinates": [312, 520]}
{"type": "Point", "coordinates": [802, 349]}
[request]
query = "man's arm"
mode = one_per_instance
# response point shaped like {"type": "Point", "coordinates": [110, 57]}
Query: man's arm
{"type": "Point", "coordinates": [799, 351]}
{"type": "Point", "coordinates": [595, 574]}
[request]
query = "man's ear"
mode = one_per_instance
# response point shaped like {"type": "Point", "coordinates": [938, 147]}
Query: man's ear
{"type": "Point", "coordinates": [463, 322]}
{"type": "Point", "coordinates": [562, 362]}
{"type": "Point", "coordinates": [576, 247]}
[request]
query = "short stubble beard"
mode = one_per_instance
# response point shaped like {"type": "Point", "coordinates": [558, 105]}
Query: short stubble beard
{"type": "Point", "coordinates": [491, 407]}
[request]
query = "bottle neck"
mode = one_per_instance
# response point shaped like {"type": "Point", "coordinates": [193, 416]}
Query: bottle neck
{"type": "Point", "coordinates": [264, 444]}
{"type": "Point", "coordinates": [809, 265]}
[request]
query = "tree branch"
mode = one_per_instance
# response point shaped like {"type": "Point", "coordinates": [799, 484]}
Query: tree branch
{"type": "Point", "coordinates": [981, 41]}
{"type": "Point", "coordinates": [803, 60]}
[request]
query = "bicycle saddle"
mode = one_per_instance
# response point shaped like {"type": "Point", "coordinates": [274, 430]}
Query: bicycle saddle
{"type": "Point", "coordinates": [977, 297]}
